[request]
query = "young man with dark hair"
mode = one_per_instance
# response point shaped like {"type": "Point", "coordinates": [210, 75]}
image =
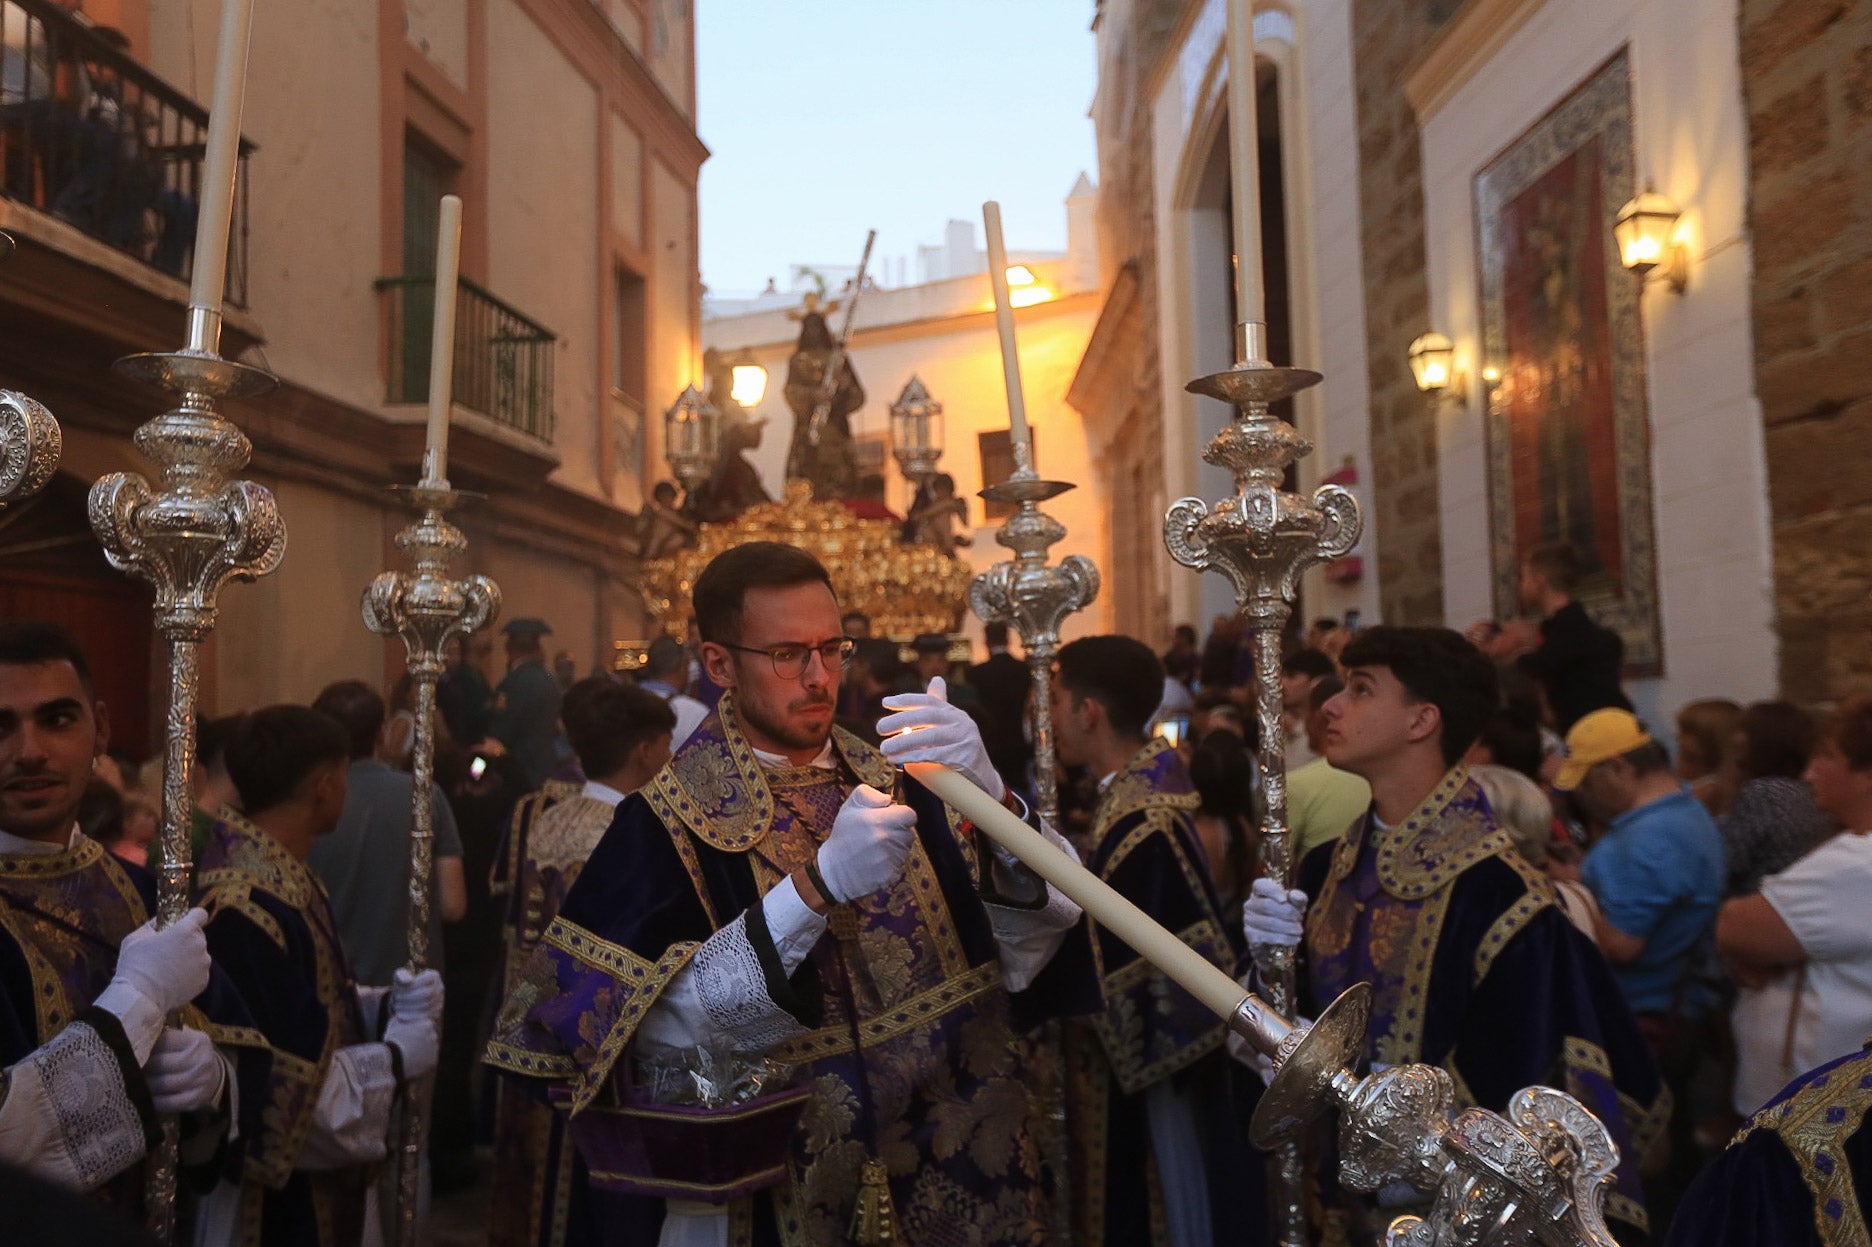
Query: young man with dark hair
{"type": "Point", "coordinates": [1472, 965]}
{"type": "Point", "coordinates": [766, 895]}
{"type": "Point", "coordinates": [86, 980]}
{"type": "Point", "coordinates": [1148, 1084]}
{"type": "Point", "coordinates": [1322, 800]}
{"type": "Point", "coordinates": [1577, 661]}
{"type": "Point", "coordinates": [305, 1175]}
{"type": "Point", "coordinates": [364, 863]}
{"type": "Point", "coordinates": [622, 737]}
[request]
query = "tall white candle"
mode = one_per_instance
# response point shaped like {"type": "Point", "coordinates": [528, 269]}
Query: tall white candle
{"type": "Point", "coordinates": [1193, 972]}
{"type": "Point", "coordinates": [208, 279]}
{"type": "Point", "coordinates": [442, 341]}
{"type": "Point", "coordinates": [1004, 325]}
{"type": "Point", "coordinates": [1245, 163]}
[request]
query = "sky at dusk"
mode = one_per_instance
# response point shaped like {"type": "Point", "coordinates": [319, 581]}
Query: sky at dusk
{"type": "Point", "coordinates": [829, 117]}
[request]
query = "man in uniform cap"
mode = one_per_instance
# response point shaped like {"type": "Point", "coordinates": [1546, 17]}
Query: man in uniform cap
{"type": "Point", "coordinates": [525, 718]}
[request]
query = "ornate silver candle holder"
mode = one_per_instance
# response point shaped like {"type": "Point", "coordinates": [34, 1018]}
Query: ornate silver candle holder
{"type": "Point", "coordinates": [31, 442]}
{"type": "Point", "coordinates": [1262, 538]}
{"type": "Point", "coordinates": [1034, 597]}
{"type": "Point", "coordinates": [425, 606]}
{"type": "Point", "coordinates": [1536, 1175]}
{"type": "Point", "coordinates": [187, 538]}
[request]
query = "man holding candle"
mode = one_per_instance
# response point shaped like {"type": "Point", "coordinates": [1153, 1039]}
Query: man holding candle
{"type": "Point", "coordinates": [1473, 965]}
{"type": "Point", "coordinates": [766, 895]}
{"type": "Point", "coordinates": [1148, 1084]}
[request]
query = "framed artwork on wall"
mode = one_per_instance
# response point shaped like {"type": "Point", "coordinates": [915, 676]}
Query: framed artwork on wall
{"type": "Point", "coordinates": [1567, 429]}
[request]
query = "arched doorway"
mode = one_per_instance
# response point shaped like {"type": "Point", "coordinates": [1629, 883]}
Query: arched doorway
{"type": "Point", "coordinates": [52, 568]}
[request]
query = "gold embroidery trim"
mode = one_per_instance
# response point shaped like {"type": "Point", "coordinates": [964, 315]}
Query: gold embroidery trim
{"type": "Point", "coordinates": [926, 1006]}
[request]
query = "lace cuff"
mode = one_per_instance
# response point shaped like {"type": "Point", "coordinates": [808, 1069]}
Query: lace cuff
{"type": "Point", "coordinates": [77, 1111]}
{"type": "Point", "coordinates": [736, 974]}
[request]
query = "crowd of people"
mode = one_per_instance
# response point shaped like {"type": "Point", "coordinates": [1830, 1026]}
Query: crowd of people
{"type": "Point", "coordinates": [709, 967]}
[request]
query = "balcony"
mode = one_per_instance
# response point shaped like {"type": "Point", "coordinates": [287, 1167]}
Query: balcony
{"type": "Point", "coordinates": [503, 360]}
{"type": "Point", "coordinates": [92, 139]}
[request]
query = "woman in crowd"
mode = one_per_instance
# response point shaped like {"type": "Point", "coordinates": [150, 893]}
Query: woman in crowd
{"type": "Point", "coordinates": [1705, 731]}
{"type": "Point", "coordinates": [1227, 817]}
{"type": "Point", "coordinates": [1772, 821]}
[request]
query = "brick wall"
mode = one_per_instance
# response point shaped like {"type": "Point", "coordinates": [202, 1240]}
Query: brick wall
{"type": "Point", "coordinates": [1807, 88]}
{"type": "Point", "coordinates": [1387, 37]}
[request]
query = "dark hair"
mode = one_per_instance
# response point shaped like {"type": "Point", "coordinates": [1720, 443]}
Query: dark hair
{"type": "Point", "coordinates": [1711, 723]}
{"type": "Point", "coordinates": [722, 587]}
{"type": "Point", "coordinates": [1121, 673]}
{"type": "Point", "coordinates": [1849, 729]}
{"type": "Point", "coordinates": [1513, 740]}
{"type": "Point", "coordinates": [357, 708]}
{"type": "Point", "coordinates": [605, 720]}
{"type": "Point", "coordinates": [1184, 632]}
{"type": "Point", "coordinates": [1560, 563]}
{"type": "Point", "coordinates": [1223, 771]}
{"type": "Point", "coordinates": [1326, 688]}
{"type": "Point", "coordinates": [1777, 736]}
{"type": "Point", "coordinates": [850, 615]}
{"type": "Point", "coordinates": [277, 748]}
{"type": "Point", "coordinates": [1434, 665]}
{"type": "Point", "coordinates": [1648, 758]}
{"type": "Point", "coordinates": [666, 656]}
{"type": "Point", "coordinates": [211, 741]}
{"type": "Point", "coordinates": [995, 634]}
{"type": "Point", "coordinates": [101, 812]}
{"type": "Point", "coordinates": [30, 642]}
{"type": "Point", "coordinates": [1307, 662]}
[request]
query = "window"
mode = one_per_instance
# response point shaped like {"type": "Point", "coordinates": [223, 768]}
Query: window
{"type": "Point", "coordinates": [629, 338]}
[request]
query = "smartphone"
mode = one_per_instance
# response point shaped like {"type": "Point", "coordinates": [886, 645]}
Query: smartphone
{"type": "Point", "coordinates": [1352, 620]}
{"type": "Point", "coordinates": [477, 768]}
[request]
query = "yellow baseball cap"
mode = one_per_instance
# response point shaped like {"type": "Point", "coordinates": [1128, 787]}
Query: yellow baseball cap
{"type": "Point", "coordinates": [1598, 737]}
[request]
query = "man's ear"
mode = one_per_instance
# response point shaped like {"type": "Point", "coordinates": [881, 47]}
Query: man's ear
{"type": "Point", "coordinates": [718, 662]}
{"type": "Point", "coordinates": [1426, 722]}
{"type": "Point", "coordinates": [100, 718]}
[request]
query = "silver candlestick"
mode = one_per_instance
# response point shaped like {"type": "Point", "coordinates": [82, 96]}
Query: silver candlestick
{"type": "Point", "coordinates": [426, 607]}
{"type": "Point", "coordinates": [1034, 597]}
{"type": "Point", "coordinates": [1535, 1176]}
{"type": "Point", "coordinates": [200, 530]}
{"type": "Point", "coordinates": [1262, 538]}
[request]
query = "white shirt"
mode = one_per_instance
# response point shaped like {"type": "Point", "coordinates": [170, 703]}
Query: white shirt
{"type": "Point", "coordinates": [689, 711]}
{"type": "Point", "coordinates": [1822, 898]}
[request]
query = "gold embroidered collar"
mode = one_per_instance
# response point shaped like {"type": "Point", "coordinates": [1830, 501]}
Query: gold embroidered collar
{"type": "Point", "coordinates": [1450, 832]}
{"type": "Point", "coordinates": [716, 788]}
{"type": "Point", "coordinates": [1149, 781]}
{"type": "Point", "coordinates": [82, 855]}
{"type": "Point", "coordinates": [250, 856]}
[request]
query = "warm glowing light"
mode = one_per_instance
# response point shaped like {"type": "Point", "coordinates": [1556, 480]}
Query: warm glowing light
{"type": "Point", "coordinates": [1027, 296]}
{"type": "Point", "coordinates": [1491, 374]}
{"type": "Point", "coordinates": [1646, 230]}
{"type": "Point", "coordinates": [1432, 360]}
{"type": "Point", "coordinates": [750, 384]}
{"type": "Point", "coordinates": [1019, 275]}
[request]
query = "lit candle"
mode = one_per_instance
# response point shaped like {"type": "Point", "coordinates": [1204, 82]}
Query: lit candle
{"type": "Point", "coordinates": [208, 279]}
{"type": "Point", "coordinates": [1010, 354]}
{"type": "Point", "coordinates": [1192, 971]}
{"type": "Point", "coordinates": [442, 341]}
{"type": "Point", "coordinates": [1245, 163]}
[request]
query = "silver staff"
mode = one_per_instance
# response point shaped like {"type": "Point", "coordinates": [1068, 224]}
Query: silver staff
{"type": "Point", "coordinates": [200, 530]}
{"type": "Point", "coordinates": [31, 442]}
{"type": "Point", "coordinates": [1262, 538]}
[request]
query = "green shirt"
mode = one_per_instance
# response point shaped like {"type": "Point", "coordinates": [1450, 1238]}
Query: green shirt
{"type": "Point", "coordinates": [1322, 801]}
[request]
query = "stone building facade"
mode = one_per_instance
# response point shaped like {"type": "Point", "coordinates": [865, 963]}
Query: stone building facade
{"type": "Point", "coordinates": [1738, 481]}
{"type": "Point", "coordinates": [568, 129]}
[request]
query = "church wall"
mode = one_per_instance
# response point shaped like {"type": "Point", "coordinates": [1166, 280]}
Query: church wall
{"type": "Point", "coordinates": [1705, 455]}
{"type": "Point", "coordinates": [1806, 70]}
{"type": "Point", "coordinates": [564, 593]}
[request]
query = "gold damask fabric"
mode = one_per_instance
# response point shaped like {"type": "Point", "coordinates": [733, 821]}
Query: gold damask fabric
{"type": "Point", "coordinates": [1814, 1124]}
{"type": "Point", "coordinates": [68, 912]}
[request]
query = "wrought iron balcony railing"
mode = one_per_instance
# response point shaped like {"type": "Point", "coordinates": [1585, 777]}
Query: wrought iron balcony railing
{"type": "Point", "coordinates": [92, 137]}
{"type": "Point", "coordinates": [503, 360]}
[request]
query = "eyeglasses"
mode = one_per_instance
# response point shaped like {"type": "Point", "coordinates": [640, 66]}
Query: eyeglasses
{"type": "Point", "coordinates": [789, 661]}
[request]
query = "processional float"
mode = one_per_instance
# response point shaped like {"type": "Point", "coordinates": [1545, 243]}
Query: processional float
{"type": "Point", "coordinates": [1536, 1174]}
{"type": "Point", "coordinates": [426, 606]}
{"type": "Point", "coordinates": [198, 529]}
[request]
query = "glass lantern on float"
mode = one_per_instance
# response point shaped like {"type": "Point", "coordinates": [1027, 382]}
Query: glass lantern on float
{"type": "Point", "coordinates": [691, 437]}
{"type": "Point", "coordinates": [916, 428]}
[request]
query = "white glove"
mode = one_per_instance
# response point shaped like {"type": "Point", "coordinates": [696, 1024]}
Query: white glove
{"type": "Point", "coordinates": [418, 1040]}
{"type": "Point", "coordinates": [417, 996]}
{"type": "Point", "coordinates": [942, 733]}
{"type": "Point", "coordinates": [870, 839]}
{"type": "Point", "coordinates": [184, 1072]}
{"type": "Point", "coordinates": [1272, 915]}
{"type": "Point", "coordinates": [170, 967]}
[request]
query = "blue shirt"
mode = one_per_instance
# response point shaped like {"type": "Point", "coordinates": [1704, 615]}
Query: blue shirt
{"type": "Point", "coordinates": [1658, 877]}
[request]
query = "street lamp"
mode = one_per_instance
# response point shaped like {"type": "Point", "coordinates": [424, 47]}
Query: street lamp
{"type": "Point", "coordinates": [691, 437]}
{"type": "Point", "coordinates": [1646, 231]}
{"type": "Point", "coordinates": [748, 381]}
{"type": "Point", "coordinates": [916, 426]}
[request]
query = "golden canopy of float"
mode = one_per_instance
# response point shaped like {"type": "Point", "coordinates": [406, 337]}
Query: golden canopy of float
{"type": "Point", "coordinates": [906, 589]}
